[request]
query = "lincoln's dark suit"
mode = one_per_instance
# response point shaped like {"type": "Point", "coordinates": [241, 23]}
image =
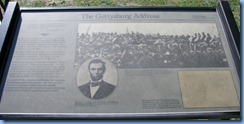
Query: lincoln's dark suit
{"type": "Point", "coordinates": [103, 91]}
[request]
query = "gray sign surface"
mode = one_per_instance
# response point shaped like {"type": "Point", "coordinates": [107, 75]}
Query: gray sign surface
{"type": "Point", "coordinates": [145, 62]}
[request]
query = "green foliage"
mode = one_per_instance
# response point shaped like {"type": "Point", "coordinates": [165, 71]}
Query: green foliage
{"type": "Point", "coordinates": [143, 2]}
{"type": "Point", "coordinates": [235, 7]}
{"type": "Point", "coordinates": [34, 3]}
{"type": "Point", "coordinates": [147, 2]}
{"type": "Point", "coordinates": [57, 3]}
{"type": "Point", "coordinates": [23, 3]}
{"type": "Point", "coordinates": [209, 3]}
{"type": "Point", "coordinates": [95, 3]}
{"type": "Point", "coordinates": [39, 3]}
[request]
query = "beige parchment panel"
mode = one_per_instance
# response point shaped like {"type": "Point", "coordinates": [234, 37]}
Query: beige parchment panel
{"type": "Point", "coordinates": [207, 89]}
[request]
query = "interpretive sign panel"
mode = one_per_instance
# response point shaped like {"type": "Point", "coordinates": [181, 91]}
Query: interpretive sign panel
{"type": "Point", "coordinates": [118, 63]}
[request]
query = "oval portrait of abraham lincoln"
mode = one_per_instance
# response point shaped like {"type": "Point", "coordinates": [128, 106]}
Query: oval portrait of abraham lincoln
{"type": "Point", "coordinates": [97, 78]}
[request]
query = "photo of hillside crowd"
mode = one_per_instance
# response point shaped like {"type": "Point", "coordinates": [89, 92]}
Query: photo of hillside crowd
{"type": "Point", "coordinates": [140, 50]}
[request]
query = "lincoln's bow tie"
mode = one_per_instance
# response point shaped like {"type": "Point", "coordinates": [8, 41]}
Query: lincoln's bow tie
{"type": "Point", "coordinates": [93, 84]}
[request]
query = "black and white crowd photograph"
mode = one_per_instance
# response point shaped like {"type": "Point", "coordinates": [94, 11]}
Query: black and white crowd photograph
{"type": "Point", "coordinates": [151, 45]}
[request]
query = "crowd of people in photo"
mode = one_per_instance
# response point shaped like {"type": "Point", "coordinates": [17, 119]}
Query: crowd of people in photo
{"type": "Point", "coordinates": [139, 50]}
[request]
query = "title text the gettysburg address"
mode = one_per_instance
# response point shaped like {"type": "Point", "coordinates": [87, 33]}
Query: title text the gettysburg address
{"type": "Point", "coordinates": [120, 16]}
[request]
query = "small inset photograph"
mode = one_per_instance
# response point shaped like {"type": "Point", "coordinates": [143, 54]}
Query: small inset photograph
{"type": "Point", "coordinates": [208, 89]}
{"type": "Point", "coordinates": [97, 78]}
